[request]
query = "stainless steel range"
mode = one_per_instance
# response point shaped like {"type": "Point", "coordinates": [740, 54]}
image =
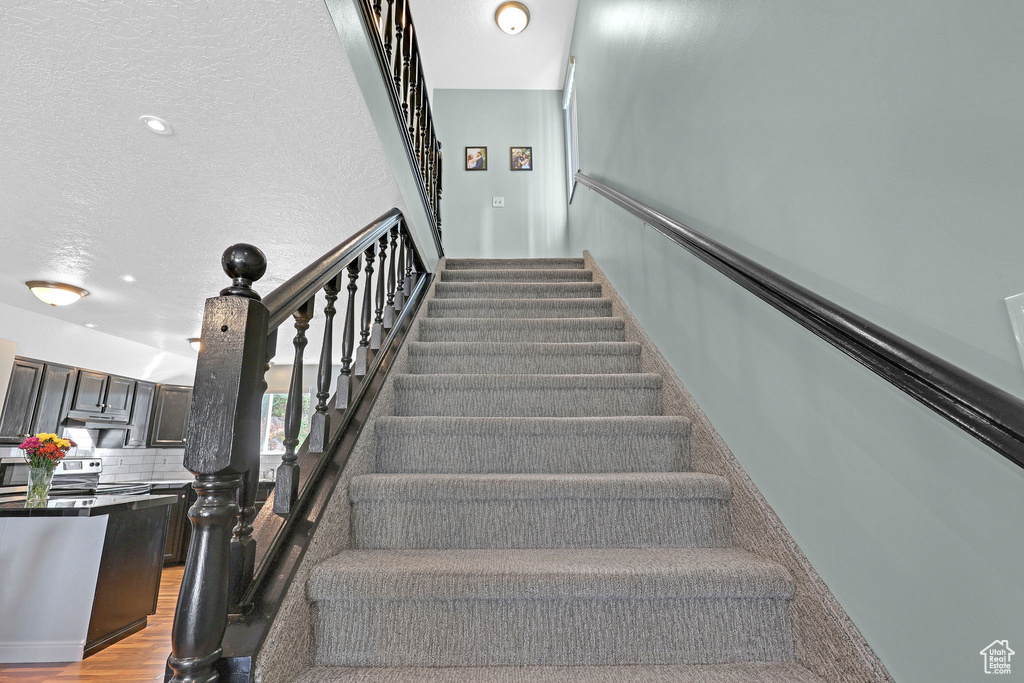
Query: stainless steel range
{"type": "Point", "coordinates": [78, 476]}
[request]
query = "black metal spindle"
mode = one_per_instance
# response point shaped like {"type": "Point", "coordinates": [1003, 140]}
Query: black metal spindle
{"type": "Point", "coordinates": [286, 488]}
{"type": "Point", "coordinates": [403, 90]}
{"type": "Point", "coordinates": [344, 391]}
{"type": "Point", "coordinates": [363, 352]}
{"type": "Point", "coordinates": [389, 308]}
{"type": "Point", "coordinates": [400, 22]}
{"type": "Point", "coordinates": [411, 87]}
{"type": "Point", "coordinates": [377, 333]}
{"type": "Point", "coordinates": [320, 421]}
{"type": "Point", "coordinates": [409, 264]}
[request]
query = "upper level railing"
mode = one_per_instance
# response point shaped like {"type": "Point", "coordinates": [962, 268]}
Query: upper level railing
{"type": "Point", "coordinates": [991, 415]}
{"type": "Point", "coordinates": [228, 562]}
{"type": "Point", "coordinates": [395, 45]}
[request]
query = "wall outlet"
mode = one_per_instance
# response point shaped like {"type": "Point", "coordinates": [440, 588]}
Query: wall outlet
{"type": "Point", "coordinates": [120, 461]}
{"type": "Point", "coordinates": [1015, 307]}
{"type": "Point", "coordinates": [497, 202]}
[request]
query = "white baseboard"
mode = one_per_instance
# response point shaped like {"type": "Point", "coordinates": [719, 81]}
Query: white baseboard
{"type": "Point", "coordinates": [56, 651]}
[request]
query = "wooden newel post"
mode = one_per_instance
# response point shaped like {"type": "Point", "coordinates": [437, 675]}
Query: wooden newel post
{"type": "Point", "coordinates": [222, 445]}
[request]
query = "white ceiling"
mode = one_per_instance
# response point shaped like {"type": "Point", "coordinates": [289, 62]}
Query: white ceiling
{"type": "Point", "coordinates": [462, 47]}
{"type": "Point", "coordinates": [273, 146]}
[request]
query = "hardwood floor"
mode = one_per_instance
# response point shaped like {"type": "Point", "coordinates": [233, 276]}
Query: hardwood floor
{"type": "Point", "coordinates": [139, 658]}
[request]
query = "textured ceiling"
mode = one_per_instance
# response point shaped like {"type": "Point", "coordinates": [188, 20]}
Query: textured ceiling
{"type": "Point", "coordinates": [462, 47]}
{"type": "Point", "coordinates": [273, 145]}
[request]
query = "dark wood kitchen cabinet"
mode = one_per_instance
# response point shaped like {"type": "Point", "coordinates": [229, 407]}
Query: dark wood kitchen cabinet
{"type": "Point", "coordinates": [141, 416]}
{"type": "Point", "coordinates": [170, 416]}
{"type": "Point", "coordinates": [108, 397]}
{"type": "Point", "coordinates": [20, 403]}
{"type": "Point", "coordinates": [55, 395]}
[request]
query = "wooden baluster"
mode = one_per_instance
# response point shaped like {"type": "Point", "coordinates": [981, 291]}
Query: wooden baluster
{"type": "Point", "coordinates": [403, 90]}
{"type": "Point", "coordinates": [222, 443]}
{"type": "Point", "coordinates": [408, 263]}
{"type": "Point", "coordinates": [389, 308]}
{"type": "Point", "coordinates": [400, 279]}
{"type": "Point", "coordinates": [400, 22]}
{"type": "Point", "coordinates": [388, 29]}
{"type": "Point", "coordinates": [417, 102]}
{"type": "Point", "coordinates": [410, 92]}
{"type": "Point", "coordinates": [440, 175]}
{"type": "Point", "coordinates": [243, 545]}
{"type": "Point", "coordinates": [363, 352]}
{"type": "Point", "coordinates": [344, 392]}
{"type": "Point", "coordinates": [377, 333]}
{"type": "Point", "coordinates": [320, 422]}
{"type": "Point", "coordinates": [286, 488]}
{"type": "Point", "coordinates": [376, 13]}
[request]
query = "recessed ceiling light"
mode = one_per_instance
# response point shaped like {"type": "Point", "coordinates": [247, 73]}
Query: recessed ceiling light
{"type": "Point", "coordinates": [90, 325]}
{"type": "Point", "coordinates": [128, 278]}
{"type": "Point", "coordinates": [157, 125]}
{"type": "Point", "coordinates": [512, 17]}
{"type": "Point", "coordinates": [195, 343]}
{"type": "Point", "coordinates": [55, 293]}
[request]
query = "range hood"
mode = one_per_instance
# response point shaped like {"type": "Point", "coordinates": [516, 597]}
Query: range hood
{"type": "Point", "coordinates": [96, 422]}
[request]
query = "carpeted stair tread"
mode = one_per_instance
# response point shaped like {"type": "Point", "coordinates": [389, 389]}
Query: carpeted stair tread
{"type": "Point", "coordinates": [519, 308]}
{"type": "Point", "coordinates": [560, 330]}
{"type": "Point", "coordinates": [471, 445]}
{"type": "Point", "coordinates": [754, 672]}
{"type": "Point", "coordinates": [528, 395]}
{"type": "Point", "coordinates": [541, 574]}
{"type": "Point", "coordinates": [523, 358]}
{"type": "Point", "coordinates": [517, 290]}
{"type": "Point", "coordinates": [621, 510]}
{"type": "Point", "coordinates": [518, 275]}
{"type": "Point", "coordinates": [509, 264]}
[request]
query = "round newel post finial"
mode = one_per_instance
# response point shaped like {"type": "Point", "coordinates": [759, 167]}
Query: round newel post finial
{"type": "Point", "coordinates": [244, 264]}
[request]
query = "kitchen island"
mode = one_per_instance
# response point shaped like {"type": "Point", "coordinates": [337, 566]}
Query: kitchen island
{"type": "Point", "coordinates": [79, 574]}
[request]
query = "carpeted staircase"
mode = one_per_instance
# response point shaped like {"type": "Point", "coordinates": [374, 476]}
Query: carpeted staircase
{"type": "Point", "coordinates": [533, 516]}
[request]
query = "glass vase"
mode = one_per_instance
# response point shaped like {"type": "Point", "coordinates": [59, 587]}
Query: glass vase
{"type": "Point", "coordinates": [39, 481]}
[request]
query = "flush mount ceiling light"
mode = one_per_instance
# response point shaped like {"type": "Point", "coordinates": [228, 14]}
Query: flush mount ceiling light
{"type": "Point", "coordinates": [195, 343]}
{"type": "Point", "coordinates": [157, 125]}
{"type": "Point", "coordinates": [512, 17]}
{"type": "Point", "coordinates": [55, 293]}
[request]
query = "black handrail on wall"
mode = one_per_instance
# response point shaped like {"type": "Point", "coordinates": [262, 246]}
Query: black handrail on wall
{"type": "Point", "coordinates": [234, 571]}
{"type": "Point", "coordinates": [991, 415]}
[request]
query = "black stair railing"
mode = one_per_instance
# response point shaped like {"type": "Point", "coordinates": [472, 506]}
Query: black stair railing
{"type": "Point", "coordinates": [393, 36]}
{"type": "Point", "coordinates": [229, 559]}
{"type": "Point", "coordinates": [986, 412]}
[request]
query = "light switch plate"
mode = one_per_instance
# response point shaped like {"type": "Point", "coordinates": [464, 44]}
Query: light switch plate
{"type": "Point", "coordinates": [497, 202]}
{"type": "Point", "coordinates": [1015, 307]}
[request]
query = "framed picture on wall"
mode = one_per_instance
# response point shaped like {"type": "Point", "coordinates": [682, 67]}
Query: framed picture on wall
{"type": "Point", "coordinates": [476, 158]}
{"type": "Point", "coordinates": [522, 158]}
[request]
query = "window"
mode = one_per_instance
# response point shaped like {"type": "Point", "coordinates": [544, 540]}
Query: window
{"type": "Point", "coordinates": [272, 422]}
{"type": "Point", "coordinates": [572, 152]}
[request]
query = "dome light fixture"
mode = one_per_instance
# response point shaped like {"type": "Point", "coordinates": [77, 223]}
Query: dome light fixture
{"type": "Point", "coordinates": [512, 17]}
{"type": "Point", "coordinates": [157, 125]}
{"type": "Point", "coordinates": [55, 293]}
{"type": "Point", "coordinates": [196, 343]}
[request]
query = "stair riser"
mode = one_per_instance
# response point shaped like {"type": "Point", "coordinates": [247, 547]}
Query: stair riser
{"type": "Point", "coordinates": [551, 523]}
{"type": "Point", "coordinates": [461, 453]}
{"type": "Point", "coordinates": [513, 264]}
{"type": "Point", "coordinates": [517, 364]}
{"type": "Point", "coordinates": [519, 308]}
{"type": "Point", "coordinates": [535, 402]}
{"type": "Point", "coordinates": [493, 330]}
{"type": "Point", "coordinates": [552, 632]}
{"type": "Point", "coordinates": [529, 275]}
{"type": "Point", "coordinates": [517, 290]}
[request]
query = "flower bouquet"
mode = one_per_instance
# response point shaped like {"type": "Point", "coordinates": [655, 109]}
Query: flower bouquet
{"type": "Point", "coordinates": [42, 453]}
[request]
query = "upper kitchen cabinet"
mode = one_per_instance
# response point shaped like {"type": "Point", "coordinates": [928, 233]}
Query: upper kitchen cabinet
{"type": "Point", "coordinates": [55, 394]}
{"type": "Point", "coordinates": [170, 416]}
{"type": "Point", "coordinates": [141, 418]}
{"type": "Point", "coordinates": [100, 396]}
{"type": "Point", "coordinates": [20, 403]}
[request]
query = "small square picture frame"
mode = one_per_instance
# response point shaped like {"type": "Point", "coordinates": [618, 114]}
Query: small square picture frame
{"type": "Point", "coordinates": [476, 158]}
{"type": "Point", "coordinates": [521, 158]}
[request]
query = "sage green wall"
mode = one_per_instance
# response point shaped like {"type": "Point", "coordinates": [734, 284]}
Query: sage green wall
{"type": "Point", "coordinates": [533, 222]}
{"type": "Point", "coordinates": [874, 152]}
